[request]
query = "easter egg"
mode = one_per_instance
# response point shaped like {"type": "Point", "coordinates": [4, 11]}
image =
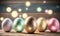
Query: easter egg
{"type": "Point", "coordinates": [30, 24]}
{"type": "Point", "coordinates": [7, 24]}
{"type": "Point", "coordinates": [41, 24]}
{"type": "Point", "coordinates": [18, 24]}
{"type": "Point", "coordinates": [53, 25]}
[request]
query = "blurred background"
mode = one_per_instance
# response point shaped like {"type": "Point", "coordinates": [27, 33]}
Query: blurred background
{"type": "Point", "coordinates": [24, 8]}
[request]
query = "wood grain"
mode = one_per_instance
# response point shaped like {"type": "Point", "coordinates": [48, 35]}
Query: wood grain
{"type": "Point", "coordinates": [26, 34]}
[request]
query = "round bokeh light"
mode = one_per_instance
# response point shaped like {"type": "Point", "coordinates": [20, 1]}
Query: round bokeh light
{"type": "Point", "coordinates": [14, 14]}
{"type": "Point", "coordinates": [8, 9]}
{"type": "Point", "coordinates": [39, 9]}
{"type": "Point", "coordinates": [28, 3]}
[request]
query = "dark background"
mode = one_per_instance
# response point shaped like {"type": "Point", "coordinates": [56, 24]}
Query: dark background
{"type": "Point", "coordinates": [15, 4]}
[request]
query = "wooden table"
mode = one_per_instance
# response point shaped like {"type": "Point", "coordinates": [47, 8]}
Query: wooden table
{"type": "Point", "coordinates": [26, 34]}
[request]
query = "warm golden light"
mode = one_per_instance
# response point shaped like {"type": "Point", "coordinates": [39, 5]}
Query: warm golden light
{"type": "Point", "coordinates": [24, 15]}
{"type": "Point", "coordinates": [8, 9]}
{"type": "Point", "coordinates": [19, 9]}
{"type": "Point", "coordinates": [14, 14]}
{"type": "Point", "coordinates": [39, 9]}
{"type": "Point", "coordinates": [50, 12]}
{"type": "Point", "coordinates": [44, 26]}
{"type": "Point", "coordinates": [1, 18]}
{"type": "Point", "coordinates": [30, 28]}
{"type": "Point", "coordinates": [28, 3]}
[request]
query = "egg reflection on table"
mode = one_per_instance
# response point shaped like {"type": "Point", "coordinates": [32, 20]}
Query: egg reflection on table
{"type": "Point", "coordinates": [30, 24]}
{"type": "Point", "coordinates": [7, 24]}
{"type": "Point", "coordinates": [42, 24]}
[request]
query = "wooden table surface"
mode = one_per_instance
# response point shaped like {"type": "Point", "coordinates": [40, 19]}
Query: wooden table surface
{"type": "Point", "coordinates": [26, 34]}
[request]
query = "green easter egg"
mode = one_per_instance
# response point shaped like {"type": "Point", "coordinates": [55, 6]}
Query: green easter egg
{"type": "Point", "coordinates": [18, 24]}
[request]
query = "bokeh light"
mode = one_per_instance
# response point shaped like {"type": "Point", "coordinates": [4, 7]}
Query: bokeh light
{"type": "Point", "coordinates": [46, 10]}
{"type": "Point", "coordinates": [39, 9]}
{"type": "Point", "coordinates": [44, 1]}
{"type": "Point", "coordinates": [2, 18]}
{"type": "Point", "coordinates": [19, 9]}
{"type": "Point", "coordinates": [8, 9]}
{"type": "Point", "coordinates": [57, 6]}
{"type": "Point", "coordinates": [14, 14]}
{"type": "Point", "coordinates": [26, 8]}
{"type": "Point", "coordinates": [28, 3]}
{"type": "Point", "coordinates": [49, 11]}
{"type": "Point", "coordinates": [24, 15]}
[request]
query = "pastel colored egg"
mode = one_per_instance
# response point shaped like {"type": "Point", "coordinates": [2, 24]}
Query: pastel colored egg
{"type": "Point", "coordinates": [18, 24]}
{"type": "Point", "coordinates": [53, 25]}
{"type": "Point", "coordinates": [7, 24]}
{"type": "Point", "coordinates": [30, 24]}
{"type": "Point", "coordinates": [42, 24]}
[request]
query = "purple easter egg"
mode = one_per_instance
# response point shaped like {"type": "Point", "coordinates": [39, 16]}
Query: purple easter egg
{"type": "Point", "coordinates": [7, 24]}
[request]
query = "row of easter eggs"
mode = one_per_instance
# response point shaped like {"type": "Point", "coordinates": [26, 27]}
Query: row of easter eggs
{"type": "Point", "coordinates": [30, 24]}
